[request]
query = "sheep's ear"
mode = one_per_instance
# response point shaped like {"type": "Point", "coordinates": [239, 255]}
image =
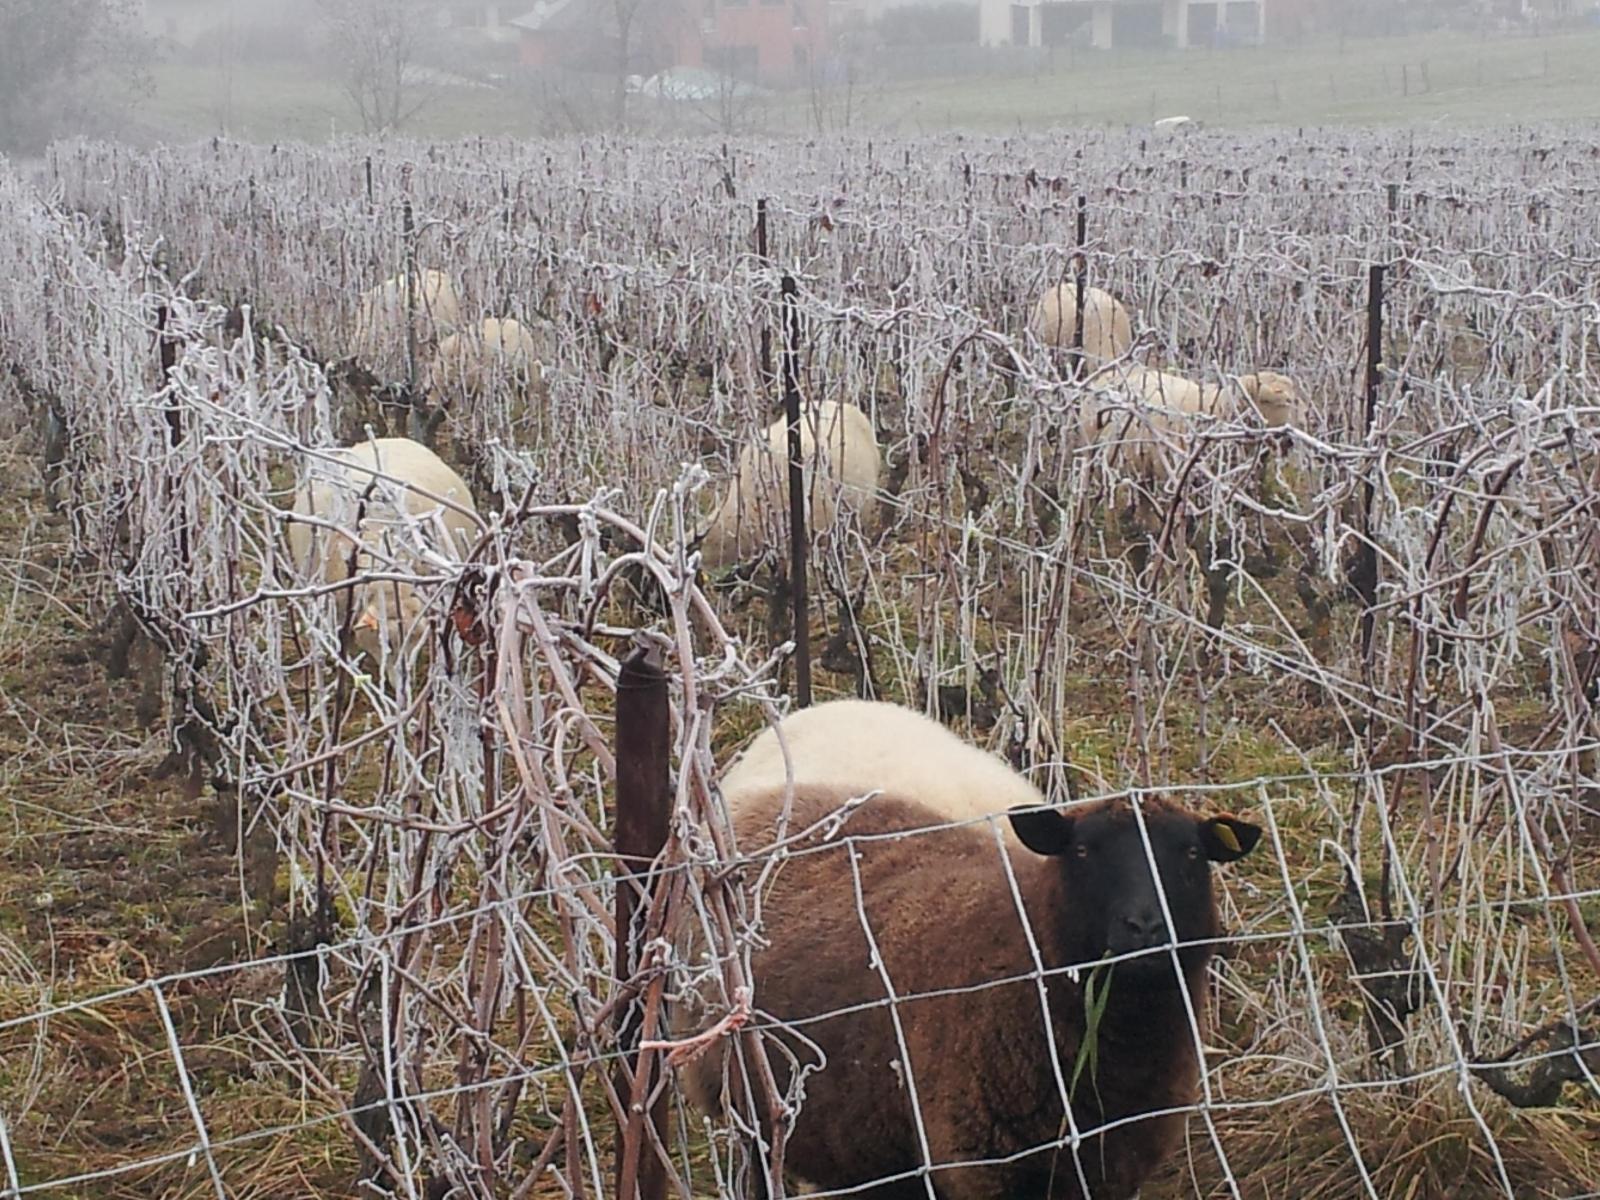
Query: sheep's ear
{"type": "Point", "coordinates": [1228, 839]}
{"type": "Point", "coordinates": [1046, 831]}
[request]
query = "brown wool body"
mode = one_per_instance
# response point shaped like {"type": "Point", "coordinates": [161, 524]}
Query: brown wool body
{"type": "Point", "coordinates": [945, 926]}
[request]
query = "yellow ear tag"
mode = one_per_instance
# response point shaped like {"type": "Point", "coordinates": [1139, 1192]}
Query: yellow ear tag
{"type": "Point", "coordinates": [1227, 837]}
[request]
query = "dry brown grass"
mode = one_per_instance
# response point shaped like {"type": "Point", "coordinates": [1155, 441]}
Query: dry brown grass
{"type": "Point", "coordinates": [1414, 1143]}
{"type": "Point", "coordinates": [109, 878]}
{"type": "Point", "coordinates": [151, 889]}
{"type": "Point", "coordinates": [115, 877]}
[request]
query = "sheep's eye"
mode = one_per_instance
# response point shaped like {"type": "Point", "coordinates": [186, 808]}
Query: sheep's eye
{"type": "Point", "coordinates": [1194, 853]}
{"type": "Point", "coordinates": [1082, 850]}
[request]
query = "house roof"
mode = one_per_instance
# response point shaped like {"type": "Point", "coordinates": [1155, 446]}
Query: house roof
{"type": "Point", "coordinates": [551, 15]}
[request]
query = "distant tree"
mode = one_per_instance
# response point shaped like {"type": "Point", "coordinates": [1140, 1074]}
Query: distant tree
{"type": "Point", "coordinates": [640, 35]}
{"type": "Point", "coordinates": [66, 66]}
{"type": "Point", "coordinates": [626, 14]}
{"type": "Point", "coordinates": [930, 25]}
{"type": "Point", "coordinates": [375, 44]}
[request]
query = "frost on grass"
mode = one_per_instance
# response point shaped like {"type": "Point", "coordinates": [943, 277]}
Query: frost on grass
{"type": "Point", "coordinates": [1376, 633]}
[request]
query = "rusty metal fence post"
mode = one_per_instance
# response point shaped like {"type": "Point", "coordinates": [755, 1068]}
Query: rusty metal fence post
{"type": "Point", "coordinates": [644, 809]}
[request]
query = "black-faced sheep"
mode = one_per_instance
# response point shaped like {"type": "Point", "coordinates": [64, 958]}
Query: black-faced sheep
{"type": "Point", "coordinates": [946, 936]}
{"type": "Point", "coordinates": [840, 479]}
{"type": "Point", "coordinates": [1107, 329]}
{"type": "Point", "coordinates": [400, 524]}
{"type": "Point", "coordinates": [381, 314]}
{"type": "Point", "coordinates": [1140, 410]}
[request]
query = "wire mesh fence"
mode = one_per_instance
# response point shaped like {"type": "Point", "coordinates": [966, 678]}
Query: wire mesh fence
{"type": "Point", "coordinates": [1373, 632]}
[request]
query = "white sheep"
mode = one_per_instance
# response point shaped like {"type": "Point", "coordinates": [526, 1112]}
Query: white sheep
{"type": "Point", "coordinates": [381, 313]}
{"type": "Point", "coordinates": [840, 477]}
{"type": "Point", "coordinates": [1140, 410]}
{"type": "Point", "coordinates": [495, 348]}
{"type": "Point", "coordinates": [400, 523]}
{"type": "Point", "coordinates": [1167, 126]}
{"type": "Point", "coordinates": [839, 744]}
{"type": "Point", "coordinates": [1107, 329]}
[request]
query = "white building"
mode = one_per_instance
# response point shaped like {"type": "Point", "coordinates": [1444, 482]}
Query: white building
{"type": "Point", "coordinates": [1108, 23]}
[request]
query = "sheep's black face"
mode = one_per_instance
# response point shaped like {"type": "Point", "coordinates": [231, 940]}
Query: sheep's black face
{"type": "Point", "coordinates": [1113, 907]}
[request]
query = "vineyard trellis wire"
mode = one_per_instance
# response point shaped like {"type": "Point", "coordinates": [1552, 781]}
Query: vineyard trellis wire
{"type": "Point", "coordinates": [1435, 800]}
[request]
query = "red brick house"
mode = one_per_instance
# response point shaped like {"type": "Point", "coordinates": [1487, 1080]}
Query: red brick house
{"type": "Point", "coordinates": [768, 40]}
{"type": "Point", "coordinates": [560, 33]}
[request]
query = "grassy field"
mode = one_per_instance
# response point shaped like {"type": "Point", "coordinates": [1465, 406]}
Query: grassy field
{"type": "Point", "coordinates": [1362, 82]}
{"type": "Point", "coordinates": [1365, 82]}
{"type": "Point", "coordinates": [292, 102]}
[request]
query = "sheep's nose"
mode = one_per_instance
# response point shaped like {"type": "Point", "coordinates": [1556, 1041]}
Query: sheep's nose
{"type": "Point", "coordinates": [1146, 929]}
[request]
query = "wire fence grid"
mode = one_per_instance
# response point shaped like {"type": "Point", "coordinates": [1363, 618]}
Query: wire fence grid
{"type": "Point", "coordinates": [1409, 984]}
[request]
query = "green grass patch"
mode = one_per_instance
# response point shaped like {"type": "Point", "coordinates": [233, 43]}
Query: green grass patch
{"type": "Point", "coordinates": [1387, 81]}
{"type": "Point", "coordinates": [1444, 78]}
